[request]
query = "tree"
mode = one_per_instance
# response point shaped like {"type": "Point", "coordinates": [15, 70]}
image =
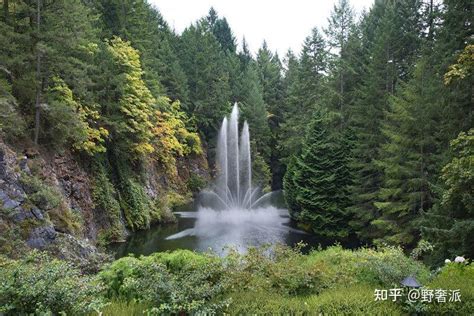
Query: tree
{"type": "Point", "coordinates": [409, 159]}
{"type": "Point", "coordinates": [340, 28]}
{"type": "Point", "coordinates": [316, 197]}
{"type": "Point", "coordinates": [390, 43]}
{"type": "Point", "coordinates": [270, 73]}
{"type": "Point", "coordinates": [208, 79]}
{"type": "Point", "coordinates": [450, 224]}
{"type": "Point", "coordinates": [305, 84]}
{"type": "Point", "coordinates": [130, 105]}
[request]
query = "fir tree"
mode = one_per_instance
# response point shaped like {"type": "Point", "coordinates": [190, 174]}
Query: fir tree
{"type": "Point", "coordinates": [316, 196]}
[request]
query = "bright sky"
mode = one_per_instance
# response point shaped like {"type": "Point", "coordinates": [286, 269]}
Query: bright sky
{"type": "Point", "coordinates": [283, 24]}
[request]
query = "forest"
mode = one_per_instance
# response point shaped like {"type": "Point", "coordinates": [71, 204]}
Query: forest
{"type": "Point", "coordinates": [368, 132]}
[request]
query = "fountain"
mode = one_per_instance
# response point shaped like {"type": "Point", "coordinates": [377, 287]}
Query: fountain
{"type": "Point", "coordinates": [232, 212]}
{"type": "Point", "coordinates": [233, 188]}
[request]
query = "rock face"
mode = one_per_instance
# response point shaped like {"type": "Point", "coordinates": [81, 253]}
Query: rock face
{"type": "Point", "coordinates": [40, 237]}
{"type": "Point", "coordinates": [15, 208]}
{"type": "Point", "coordinates": [41, 193]}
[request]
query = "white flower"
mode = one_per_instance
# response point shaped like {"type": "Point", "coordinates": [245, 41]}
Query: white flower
{"type": "Point", "coordinates": [459, 259]}
{"type": "Point", "coordinates": [447, 261]}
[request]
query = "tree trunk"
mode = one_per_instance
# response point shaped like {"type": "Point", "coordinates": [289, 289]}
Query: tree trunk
{"type": "Point", "coordinates": [39, 85]}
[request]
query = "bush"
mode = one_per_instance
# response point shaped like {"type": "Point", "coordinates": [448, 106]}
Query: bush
{"type": "Point", "coordinates": [383, 267]}
{"type": "Point", "coordinates": [48, 198]}
{"type": "Point", "coordinates": [196, 183]}
{"type": "Point", "coordinates": [38, 284]}
{"type": "Point", "coordinates": [278, 270]}
{"type": "Point", "coordinates": [177, 282]}
{"type": "Point", "coordinates": [454, 276]}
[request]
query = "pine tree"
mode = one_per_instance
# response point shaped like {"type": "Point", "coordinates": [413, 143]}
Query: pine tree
{"type": "Point", "coordinates": [315, 195]}
{"type": "Point", "coordinates": [409, 159]}
{"type": "Point", "coordinates": [208, 79]}
{"type": "Point", "coordinates": [304, 92]}
{"type": "Point", "coordinates": [390, 42]}
{"type": "Point", "coordinates": [339, 31]}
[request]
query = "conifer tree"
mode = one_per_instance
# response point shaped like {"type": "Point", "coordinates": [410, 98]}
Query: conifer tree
{"type": "Point", "coordinates": [208, 80]}
{"type": "Point", "coordinates": [316, 197]}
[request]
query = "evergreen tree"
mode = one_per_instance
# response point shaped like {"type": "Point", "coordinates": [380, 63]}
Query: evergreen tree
{"type": "Point", "coordinates": [409, 159]}
{"type": "Point", "coordinates": [270, 72]}
{"type": "Point", "coordinates": [208, 80]}
{"type": "Point", "coordinates": [314, 193]}
{"type": "Point", "coordinates": [390, 42]}
{"type": "Point", "coordinates": [305, 90]}
{"type": "Point", "coordinates": [339, 31]}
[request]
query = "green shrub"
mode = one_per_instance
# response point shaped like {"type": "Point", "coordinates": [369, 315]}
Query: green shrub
{"type": "Point", "coordinates": [181, 281]}
{"type": "Point", "coordinates": [103, 194]}
{"type": "Point", "coordinates": [384, 267]}
{"type": "Point", "coordinates": [196, 183]}
{"type": "Point", "coordinates": [38, 284]}
{"type": "Point", "coordinates": [279, 270]}
{"type": "Point", "coordinates": [454, 276]}
{"type": "Point", "coordinates": [48, 198]}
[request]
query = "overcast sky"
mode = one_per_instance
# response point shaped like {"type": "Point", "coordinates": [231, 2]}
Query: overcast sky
{"type": "Point", "coordinates": [283, 24]}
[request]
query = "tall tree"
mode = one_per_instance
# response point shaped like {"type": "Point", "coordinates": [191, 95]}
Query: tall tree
{"type": "Point", "coordinates": [314, 193]}
{"type": "Point", "coordinates": [340, 28]}
{"type": "Point", "coordinates": [390, 43]}
{"type": "Point", "coordinates": [208, 79]}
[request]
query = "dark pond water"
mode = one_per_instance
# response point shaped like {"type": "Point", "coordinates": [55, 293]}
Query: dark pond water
{"type": "Point", "coordinates": [204, 229]}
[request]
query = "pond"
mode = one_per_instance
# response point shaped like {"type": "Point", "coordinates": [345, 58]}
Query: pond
{"type": "Point", "coordinates": [203, 229]}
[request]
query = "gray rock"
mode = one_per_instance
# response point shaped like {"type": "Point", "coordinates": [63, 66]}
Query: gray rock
{"type": "Point", "coordinates": [42, 236]}
{"type": "Point", "coordinates": [9, 204]}
{"type": "Point", "coordinates": [37, 213]}
{"type": "Point", "coordinates": [24, 164]}
{"type": "Point", "coordinates": [19, 215]}
{"type": "Point", "coordinates": [3, 196]}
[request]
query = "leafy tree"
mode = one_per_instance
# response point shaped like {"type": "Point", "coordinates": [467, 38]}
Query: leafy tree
{"type": "Point", "coordinates": [171, 138]}
{"type": "Point", "coordinates": [130, 105]}
{"type": "Point", "coordinates": [68, 121]}
{"type": "Point", "coordinates": [450, 225]}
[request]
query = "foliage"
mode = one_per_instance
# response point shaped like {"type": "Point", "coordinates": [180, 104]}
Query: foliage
{"type": "Point", "coordinates": [171, 138]}
{"type": "Point", "coordinates": [48, 198]}
{"type": "Point", "coordinates": [463, 68]}
{"type": "Point", "coordinates": [130, 107]}
{"type": "Point", "coordinates": [105, 200]}
{"type": "Point", "coordinates": [268, 280]}
{"type": "Point", "coordinates": [41, 285]}
{"type": "Point", "coordinates": [316, 185]}
{"type": "Point", "coordinates": [176, 282]}
{"type": "Point", "coordinates": [71, 122]}
{"type": "Point", "coordinates": [450, 224]}
{"type": "Point", "coordinates": [454, 276]}
{"type": "Point", "coordinates": [344, 300]}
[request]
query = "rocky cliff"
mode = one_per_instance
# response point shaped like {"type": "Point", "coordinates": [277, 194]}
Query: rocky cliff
{"type": "Point", "coordinates": [50, 201]}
